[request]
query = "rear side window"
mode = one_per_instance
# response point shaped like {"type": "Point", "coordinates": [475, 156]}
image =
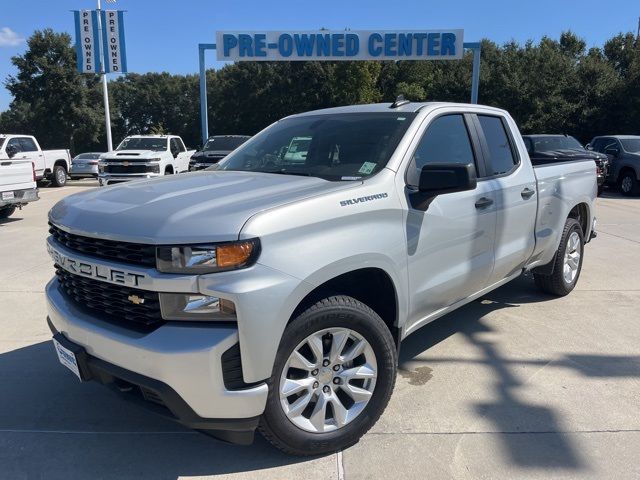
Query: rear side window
{"type": "Point", "coordinates": [15, 142]}
{"type": "Point", "coordinates": [501, 158]}
{"type": "Point", "coordinates": [28, 145]}
{"type": "Point", "coordinates": [445, 141]}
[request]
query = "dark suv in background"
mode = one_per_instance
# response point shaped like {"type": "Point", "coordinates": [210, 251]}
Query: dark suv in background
{"type": "Point", "coordinates": [216, 148]}
{"type": "Point", "coordinates": [624, 153]}
{"type": "Point", "coordinates": [544, 149]}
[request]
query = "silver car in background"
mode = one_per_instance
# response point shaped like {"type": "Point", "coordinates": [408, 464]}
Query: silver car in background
{"type": "Point", "coordinates": [85, 165]}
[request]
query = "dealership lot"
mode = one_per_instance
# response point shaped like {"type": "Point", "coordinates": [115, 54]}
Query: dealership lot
{"type": "Point", "coordinates": [516, 385]}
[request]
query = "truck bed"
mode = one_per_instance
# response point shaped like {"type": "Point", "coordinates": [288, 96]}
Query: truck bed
{"type": "Point", "coordinates": [560, 186]}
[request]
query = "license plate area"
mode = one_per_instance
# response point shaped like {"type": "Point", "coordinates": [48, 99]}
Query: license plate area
{"type": "Point", "coordinates": [8, 195]}
{"type": "Point", "coordinates": [72, 356]}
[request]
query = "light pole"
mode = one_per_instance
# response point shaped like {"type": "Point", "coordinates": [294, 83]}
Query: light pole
{"type": "Point", "coordinates": [105, 88]}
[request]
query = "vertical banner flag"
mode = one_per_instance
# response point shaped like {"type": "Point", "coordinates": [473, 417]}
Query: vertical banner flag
{"type": "Point", "coordinates": [87, 51]}
{"type": "Point", "coordinates": [115, 55]}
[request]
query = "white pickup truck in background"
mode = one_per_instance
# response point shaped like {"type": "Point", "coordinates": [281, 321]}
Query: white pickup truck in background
{"type": "Point", "coordinates": [144, 156]}
{"type": "Point", "coordinates": [17, 182]}
{"type": "Point", "coordinates": [51, 165]}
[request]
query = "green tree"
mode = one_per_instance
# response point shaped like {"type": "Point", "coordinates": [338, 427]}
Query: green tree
{"type": "Point", "coordinates": [50, 99]}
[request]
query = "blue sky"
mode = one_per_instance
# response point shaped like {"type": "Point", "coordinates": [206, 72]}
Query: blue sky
{"type": "Point", "coordinates": [163, 35]}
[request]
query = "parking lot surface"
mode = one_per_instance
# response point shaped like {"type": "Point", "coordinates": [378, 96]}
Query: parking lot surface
{"type": "Point", "coordinates": [515, 385]}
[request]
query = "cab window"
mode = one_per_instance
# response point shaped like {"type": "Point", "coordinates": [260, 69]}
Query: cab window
{"type": "Point", "coordinates": [446, 140]}
{"type": "Point", "coordinates": [501, 157]}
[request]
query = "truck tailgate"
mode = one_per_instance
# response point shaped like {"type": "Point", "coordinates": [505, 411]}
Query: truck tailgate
{"type": "Point", "coordinates": [16, 174]}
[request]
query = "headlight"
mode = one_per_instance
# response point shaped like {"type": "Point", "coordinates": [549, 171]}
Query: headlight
{"type": "Point", "coordinates": [153, 160]}
{"type": "Point", "coordinates": [200, 259]}
{"type": "Point", "coordinates": [101, 167]}
{"type": "Point", "coordinates": [194, 306]}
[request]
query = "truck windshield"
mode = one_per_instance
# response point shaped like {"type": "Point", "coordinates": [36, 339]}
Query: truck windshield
{"type": "Point", "coordinates": [223, 143]}
{"type": "Point", "coordinates": [138, 143]}
{"type": "Point", "coordinates": [347, 146]}
{"type": "Point", "coordinates": [631, 145]}
{"type": "Point", "coordinates": [549, 144]}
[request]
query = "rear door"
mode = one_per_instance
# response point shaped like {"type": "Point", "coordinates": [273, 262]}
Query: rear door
{"type": "Point", "coordinates": [511, 179]}
{"type": "Point", "coordinates": [182, 160]}
{"type": "Point", "coordinates": [450, 244]}
{"type": "Point", "coordinates": [31, 152]}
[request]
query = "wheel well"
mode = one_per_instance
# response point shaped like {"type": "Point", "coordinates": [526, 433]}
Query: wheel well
{"type": "Point", "coordinates": [169, 168]}
{"type": "Point", "coordinates": [60, 163]}
{"type": "Point", "coordinates": [371, 286]}
{"type": "Point", "coordinates": [581, 213]}
{"type": "Point", "coordinates": [624, 170]}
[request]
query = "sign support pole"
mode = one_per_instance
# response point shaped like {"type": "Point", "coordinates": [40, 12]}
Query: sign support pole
{"type": "Point", "coordinates": [475, 75]}
{"type": "Point", "coordinates": [105, 88]}
{"type": "Point", "coordinates": [204, 119]}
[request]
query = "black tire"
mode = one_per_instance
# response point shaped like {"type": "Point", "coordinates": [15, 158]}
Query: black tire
{"type": "Point", "coordinates": [334, 311]}
{"type": "Point", "coordinates": [628, 183]}
{"type": "Point", "coordinates": [7, 211]}
{"type": "Point", "coordinates": [59, 176]}
{"type": "Point", "coordinates": [555, 283]}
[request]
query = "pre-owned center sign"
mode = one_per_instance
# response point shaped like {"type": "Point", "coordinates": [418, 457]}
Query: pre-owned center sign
{"type": "Point", "coordinates": [342, 45]}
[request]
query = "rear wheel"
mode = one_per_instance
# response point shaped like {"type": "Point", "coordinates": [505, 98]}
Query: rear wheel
{"type": "Point", "coordinates": [59, 176]}
{"type": "Point", "coordinates": [568, 262]}
{"type": "Point", "coordinates": [628, 183]}
{"type": "Point", "coordinates": [332, 378]}
{"type": "Point", "coordinates": [7, 211]}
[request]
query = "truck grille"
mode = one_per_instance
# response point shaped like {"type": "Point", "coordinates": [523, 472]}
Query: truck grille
{"type": "Point", "coordinates": [128, 169]}
{"type": "Point", "coordinates": [136, 253]}
{"type": "Point", "coordinates": [111, 302]}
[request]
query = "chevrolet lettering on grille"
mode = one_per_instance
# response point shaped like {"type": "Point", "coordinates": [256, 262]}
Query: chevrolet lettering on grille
{"type": "Point", "coordinates": [99, 272]}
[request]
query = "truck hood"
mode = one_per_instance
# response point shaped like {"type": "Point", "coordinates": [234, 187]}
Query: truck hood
{"type": "Point", "coordinates": [188, 208]}
{"type": "Point", "coordinates": [131, 154]}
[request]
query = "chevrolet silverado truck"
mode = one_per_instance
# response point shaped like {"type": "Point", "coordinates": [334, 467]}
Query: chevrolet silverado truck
{"type": "Point", "coordinates": [144, 156]}
{"type": "Point", "coordinates": [50, 165]}
{"type": "Point", "coordinates": [215, 149]}
{"type": "Point", "coordinates": [17, 182]}
{"type": "Point", "coordinates": [273, 293]}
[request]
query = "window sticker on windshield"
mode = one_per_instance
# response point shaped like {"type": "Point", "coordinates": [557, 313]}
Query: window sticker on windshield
{"type": "Point", "coordinates": [350, 178]}
{"type": "Point", "coordinates": [401, 119]}
{"type": "Point", "coordinates": [367, 168]}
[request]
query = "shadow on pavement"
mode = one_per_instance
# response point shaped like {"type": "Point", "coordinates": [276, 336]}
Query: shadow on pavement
{"type": "Point", "coordinates": [510, 415]}
{"type": "Point", "coordinates": [52, 426]}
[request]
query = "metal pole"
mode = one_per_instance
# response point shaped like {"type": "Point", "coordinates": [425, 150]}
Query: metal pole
{"type": "Point", "coordinates": [203, 96]}
{"type": "Point", "coordinates": [475, 77]}
{"type": "Point", "coordinates": [105, 88]}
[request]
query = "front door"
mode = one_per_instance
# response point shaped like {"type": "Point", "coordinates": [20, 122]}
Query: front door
{"type": "Point", "coordinates": [450, 245]}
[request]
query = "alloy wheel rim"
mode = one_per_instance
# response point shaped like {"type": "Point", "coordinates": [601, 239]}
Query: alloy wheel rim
{"type": "Point", "coordinates": [626, 184]}
{"type": "Point", "coordinates": [572, 254]}
{"type": "Point", "coordinates": [61, 176]}
{"type": "Point", "coordinates": [328, 380]}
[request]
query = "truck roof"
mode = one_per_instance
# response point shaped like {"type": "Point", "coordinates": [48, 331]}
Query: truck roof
{"type": "Point", "coordinates": [386, 107]}
{"type": "Point", "coordinates": [151, 136]}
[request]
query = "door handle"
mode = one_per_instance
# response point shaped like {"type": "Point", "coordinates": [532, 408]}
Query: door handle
{"type": "Point", "coordinates": [527, 193]}
{"type": "Point", "coordinates": [484, 202]}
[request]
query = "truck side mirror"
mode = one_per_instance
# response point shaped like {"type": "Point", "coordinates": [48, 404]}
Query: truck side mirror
{"type": "Point", "coordinates": [440, 179]}
{"type": "Point", "coordinates": [11, 151]}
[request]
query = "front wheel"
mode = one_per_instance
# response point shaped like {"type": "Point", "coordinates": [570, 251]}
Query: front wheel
{"type": "Point", "coordinates": [333, 376]}
{"type": "Point", "coordinates": [59, 176]}
{"type": "Point", "coordinates": [568, 262]}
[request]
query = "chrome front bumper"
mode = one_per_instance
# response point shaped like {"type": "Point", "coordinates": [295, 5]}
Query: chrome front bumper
{"type": "Point", "coordinates": [185, 357]}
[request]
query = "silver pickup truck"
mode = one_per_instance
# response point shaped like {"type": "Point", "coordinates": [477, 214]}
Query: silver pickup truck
{"type": "Point", "coordinates": [274, 293]}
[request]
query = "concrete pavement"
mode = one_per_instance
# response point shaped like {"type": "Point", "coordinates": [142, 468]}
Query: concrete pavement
{"type": "Point", "coordinates": [515, 385]}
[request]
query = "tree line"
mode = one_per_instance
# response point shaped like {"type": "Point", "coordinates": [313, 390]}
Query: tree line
{"type": "Point", "coordinates": [552, 86]}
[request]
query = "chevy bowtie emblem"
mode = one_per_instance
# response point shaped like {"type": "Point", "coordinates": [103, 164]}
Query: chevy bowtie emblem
{"type": "Point", "coordinates": [125, 164]}
{"type": "Point", "coordinates": [135, 299]}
